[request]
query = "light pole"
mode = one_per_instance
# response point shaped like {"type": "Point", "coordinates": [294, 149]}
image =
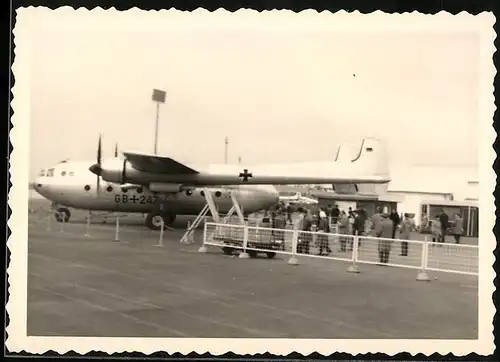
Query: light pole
{"type": "Point", "coordinates": [158, 97]}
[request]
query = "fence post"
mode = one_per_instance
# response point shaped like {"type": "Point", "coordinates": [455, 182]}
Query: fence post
{"type": "Point", "coordinates": [162, 229]}
{"type": "Point", "coordinates": [244, 254]}
{"type": "Point", "coordinates": [190, 238]}
{"type": "Point", "coordinates": [117, 229]}
{"type": "Point", "coordinates": [295, 237]}
{"type": "Point", "coordinates": [203, 248]}
{"type": "Point", "coordinates": [49, 221]}
{"type": "Point", "coordinates": [63, 221]}
{"type": "Point", "coordinates": [422, 274]}
{"type": "Point", "coordinates": [87, 225]}
{"type": "Point", "coordinates": [353, 268]}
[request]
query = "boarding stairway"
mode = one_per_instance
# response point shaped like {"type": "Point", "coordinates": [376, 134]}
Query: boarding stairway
{"type": "Point", "coordinates": [212, 207]}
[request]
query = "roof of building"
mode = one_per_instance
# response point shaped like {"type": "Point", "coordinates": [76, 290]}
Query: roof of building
{"type": "Point", "coordinates": [429, 179]}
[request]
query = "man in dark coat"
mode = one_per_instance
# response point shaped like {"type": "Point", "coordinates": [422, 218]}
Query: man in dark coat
{"type": "Point", "coordinates": [323, 229]}
{"type": "Point", "coordinates": [335, 214]}
{"type": "Point", "coordinates": [443, 218]}
{"type": "Point", "coordinates": [306, 237]}
{"type": "Point", "coordinates": [395, 222]}
{"type": "Point", "coordinates": [385, 229]}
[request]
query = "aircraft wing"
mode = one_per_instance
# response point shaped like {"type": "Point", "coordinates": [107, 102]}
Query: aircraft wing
{"type": "Point", "coordinates": [157, 164]}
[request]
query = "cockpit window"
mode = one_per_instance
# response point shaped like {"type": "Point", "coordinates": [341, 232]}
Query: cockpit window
{"type": "Point", "coordinates": [71, 173]}
{"type": "Point", "coordinates": [63, 173]}
{"type": "Point", "coordinates": [42, 173]}
{"type": "Point", "coordinates": [50, 172]}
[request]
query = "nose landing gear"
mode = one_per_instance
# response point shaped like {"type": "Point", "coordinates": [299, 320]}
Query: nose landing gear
{"type": "Point", "coordinates": [154, 219]}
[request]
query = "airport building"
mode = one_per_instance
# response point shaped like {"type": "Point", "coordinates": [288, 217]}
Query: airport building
{"type": "Point", "coordinates": [409, 190]}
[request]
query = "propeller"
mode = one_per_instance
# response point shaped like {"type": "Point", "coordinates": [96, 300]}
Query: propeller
{"type": "Point", "coordinates": [124, 180]}
{"type": "Point", "coordinates": [99, 163]}
{"type": "Point", "coordinates": [96, 168]}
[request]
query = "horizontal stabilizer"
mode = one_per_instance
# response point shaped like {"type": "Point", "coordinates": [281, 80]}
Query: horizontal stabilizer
{"type": "Point", "coordinates": [157, 164]}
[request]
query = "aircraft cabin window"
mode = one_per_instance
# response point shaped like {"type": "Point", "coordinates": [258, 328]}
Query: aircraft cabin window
{"type": "Point", "coordinates": [139, 190]}
{"type": "Point", "coordinates": [218, 193]}
{"type": "Point", "coordinates": [124, 189]}
{"type": "Point", "coordinates": [42, 173]}
{"type": "Point", "coordinates": [63, 173]}
{"type": "Point", "coordinates": [87, 188]}
{"type": "Point", "coordinates": [109, 188]}
{"type": "Point", "coordinates": [50, 172]}
{"type": "Point", "coordinates": [189, 192]}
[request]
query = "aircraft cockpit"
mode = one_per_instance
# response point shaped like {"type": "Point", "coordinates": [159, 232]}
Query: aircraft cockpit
{"type": "Point", "coordinates": [46, 172]}
{"type": "Point", "coordinates": [52, 172]}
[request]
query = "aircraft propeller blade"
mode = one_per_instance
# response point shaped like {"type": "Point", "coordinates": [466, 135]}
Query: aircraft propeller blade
{"type": "Point", "coordinates": [123, 171]}
{"type": "Point", "coordinates": [99, 160]}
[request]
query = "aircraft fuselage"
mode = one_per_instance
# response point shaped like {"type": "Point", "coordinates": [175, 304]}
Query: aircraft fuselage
{"type": "Point", "coordinates": [71, 184]}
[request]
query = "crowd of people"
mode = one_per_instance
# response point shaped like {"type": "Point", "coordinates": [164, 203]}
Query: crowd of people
{"type": "Point", "coordinates": [442, 225]}
{"type": "Point", "coordinates": [383, 226]}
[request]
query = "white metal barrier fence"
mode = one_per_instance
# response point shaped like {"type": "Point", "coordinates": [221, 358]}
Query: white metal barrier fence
{"type": "Point", "coordinates": [411, 254]}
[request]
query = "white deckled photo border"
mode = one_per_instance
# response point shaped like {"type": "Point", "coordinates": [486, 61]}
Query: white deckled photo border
{"type": "Point", "coordinates": [18, 340]}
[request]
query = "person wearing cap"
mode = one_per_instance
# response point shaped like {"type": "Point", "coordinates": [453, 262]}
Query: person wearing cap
{"type": "Point", "coordinates": [305, 237]}
{"type": "Point", "coordinates": [376, 221]}
{"type": "Point", "coordinates": [323, 227]}
{"type": "Point", "coordinates": [436, 230]}
{"type": "Point", "coordinates": [278, 223]}
{"type": "Point", "coordinates": [458, 228]}
{"type": "Point", "coordinates": [385, 241]}
{"type": "Point", "coordinates": [343, 230]}
{"type": "Point", "coordinates": [406, 227]}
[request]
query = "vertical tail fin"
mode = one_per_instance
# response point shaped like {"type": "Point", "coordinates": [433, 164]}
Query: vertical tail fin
{"type": "Point", "coordinates": [372, 159]}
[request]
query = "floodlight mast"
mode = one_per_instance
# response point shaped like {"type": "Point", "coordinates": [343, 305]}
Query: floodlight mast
{"type": "Point", "coordinates": [158, 97]}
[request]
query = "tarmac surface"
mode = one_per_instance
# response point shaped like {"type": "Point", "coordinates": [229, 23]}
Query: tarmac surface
{"type": "Point", "coordinates": [91, 285]}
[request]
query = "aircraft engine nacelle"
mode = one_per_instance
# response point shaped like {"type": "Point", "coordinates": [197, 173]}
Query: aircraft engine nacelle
{"type": "Point", "coordinates": [165, 187]}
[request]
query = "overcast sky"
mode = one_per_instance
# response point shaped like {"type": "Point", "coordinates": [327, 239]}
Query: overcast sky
{"type": "Point", "coordinates": [281, 93]}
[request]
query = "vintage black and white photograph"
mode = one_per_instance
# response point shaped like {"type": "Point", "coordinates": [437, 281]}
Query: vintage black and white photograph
{"type": "Point", "coordinates": [251, 182]}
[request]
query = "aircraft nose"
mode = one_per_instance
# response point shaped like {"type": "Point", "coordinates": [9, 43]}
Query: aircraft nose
{"type": "Point", "coordinates": [37, 185]}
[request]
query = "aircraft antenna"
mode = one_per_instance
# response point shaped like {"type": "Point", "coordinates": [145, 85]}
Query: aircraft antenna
{"type": "Point", "coordinates": [226, 141]}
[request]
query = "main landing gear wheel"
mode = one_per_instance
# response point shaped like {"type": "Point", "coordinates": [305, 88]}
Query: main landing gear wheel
{"type": "Point", "coordinates": [154, 219]}
{"type": "Point", "coordinates": [62, 214]}
{"type": "Point", "coordinates": [271, 255]}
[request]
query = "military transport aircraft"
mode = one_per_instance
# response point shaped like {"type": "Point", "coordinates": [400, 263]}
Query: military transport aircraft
{"type": "Point", "coordinates": [164, 188]}
{"type": "Point", "coordinates": [70, 184]}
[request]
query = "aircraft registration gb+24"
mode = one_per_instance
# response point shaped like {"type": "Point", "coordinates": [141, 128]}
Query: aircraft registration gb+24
{"type": "Point", "coordinates": [163, 187]}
